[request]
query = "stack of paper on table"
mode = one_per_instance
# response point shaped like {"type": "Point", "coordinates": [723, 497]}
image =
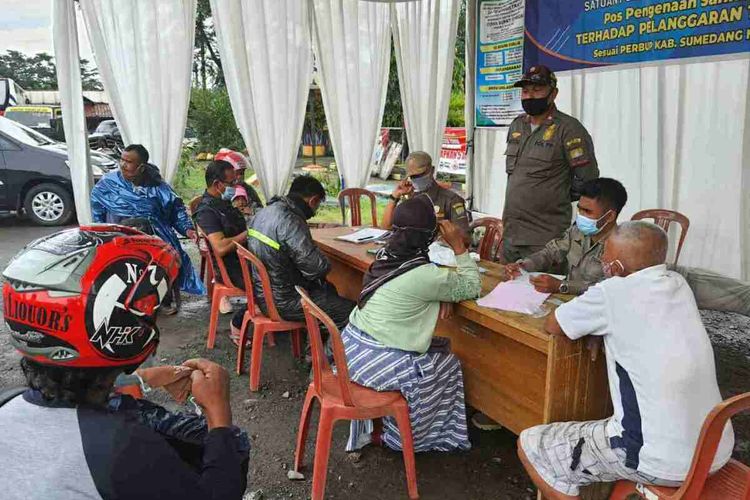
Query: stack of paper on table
{"type": "Point", "coordinates": [518, 295]}
{"type": "Point", "coordinates": [365, 235]}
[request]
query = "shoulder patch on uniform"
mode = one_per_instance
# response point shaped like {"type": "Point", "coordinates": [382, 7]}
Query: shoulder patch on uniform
{"type": "Point", "coordinates": [550, 132]}
{"type": "Point", "coordinates": [576, 153]}
{"type": "Point", "coordinates": [515, 135]}
{"type": "Point", "coordinates": [459, 209]}
{"type": "Point", "coordinates": [573, 142]}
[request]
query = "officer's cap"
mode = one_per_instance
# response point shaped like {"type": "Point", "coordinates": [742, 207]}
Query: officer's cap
{"type": "Point", "coordinates": [538, 75]}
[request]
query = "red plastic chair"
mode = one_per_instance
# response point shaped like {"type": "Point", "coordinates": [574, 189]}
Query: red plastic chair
{"type": "Point", "coordinates": [353, 195]}
{"type": "Point", "coordinates": [222, 287]}
{"type": "Point", "coordinates": [663, 218]}
{"type": "Point", "coordinates": [262, 325]}
{"type": "Point", "coordinates": [491, 245]}
{"type": "Point", "coordinates": [731, 482]}
{"type": "Point", "coordinates": [341, 399]}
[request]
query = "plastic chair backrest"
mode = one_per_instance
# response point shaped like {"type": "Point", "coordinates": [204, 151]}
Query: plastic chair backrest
{"type": "Point", "coordinates": [248, 261]}
{"type": "Point", "coordinates": [223, 274]}
{"type": "Point", "coordinates": [353, 195]}
{"type": "Point", "coordinates": [663, 218]}
{"type": "Point", "coordinates": [313, 316]}
{"type": "Point", "coordinates": [491, 245]}
{"type": "Point", "coordinates": [708, 442]}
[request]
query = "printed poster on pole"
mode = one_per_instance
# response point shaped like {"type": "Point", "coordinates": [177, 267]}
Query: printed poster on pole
{"type": "Point", "coordinates": [499, 61]}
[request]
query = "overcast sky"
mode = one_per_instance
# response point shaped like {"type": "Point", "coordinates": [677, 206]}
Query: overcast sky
{"type": "Point", "coordinates": [25, 25]}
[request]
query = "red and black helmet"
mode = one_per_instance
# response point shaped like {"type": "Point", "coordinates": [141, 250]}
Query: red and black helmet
{"type": "Point", "coordinates": [88, 297]}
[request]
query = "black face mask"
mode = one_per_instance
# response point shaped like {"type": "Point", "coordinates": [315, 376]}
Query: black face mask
{"type": "Point", "coordinates": [535, 107]}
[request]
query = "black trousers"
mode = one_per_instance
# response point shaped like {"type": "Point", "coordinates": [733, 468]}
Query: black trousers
{"type": "Point", "coordinates": [335, 306]}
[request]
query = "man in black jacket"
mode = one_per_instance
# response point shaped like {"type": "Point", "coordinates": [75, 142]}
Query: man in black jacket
{"type": "Point", "coordinates": [281, 238]}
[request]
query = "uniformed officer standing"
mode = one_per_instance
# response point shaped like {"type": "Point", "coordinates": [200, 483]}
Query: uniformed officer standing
{"type": "Point", "coordinates": [448, 205]}
{"type": "Point", "coordinates": [548, 157]}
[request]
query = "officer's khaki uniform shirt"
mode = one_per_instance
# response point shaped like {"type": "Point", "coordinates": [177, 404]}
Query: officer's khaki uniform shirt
{"type": "Point", "coordinates": [450, 206]}
{"type": "Point", "coordinates": [581, 256]}
{"type": "Point", "coordinates": [545, 170]}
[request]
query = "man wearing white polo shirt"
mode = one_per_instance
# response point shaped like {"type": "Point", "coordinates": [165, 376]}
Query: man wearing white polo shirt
{"type": "Point", "coordinates": [661, 372]}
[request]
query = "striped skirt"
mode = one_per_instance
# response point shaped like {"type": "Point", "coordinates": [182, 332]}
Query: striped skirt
{"type": "Point", "coordinates": [431, 383]}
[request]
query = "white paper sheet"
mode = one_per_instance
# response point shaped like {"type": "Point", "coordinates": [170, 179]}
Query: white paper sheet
{"type": "Point", "coordinates": [516, 296]}
{"type": "Point", "coordinates": [444, 256]}
{"type": "Point", "coordinates": [365, 235]}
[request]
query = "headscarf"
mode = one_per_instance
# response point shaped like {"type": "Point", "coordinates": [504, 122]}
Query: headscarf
{"type": "Point", "coordinates": [414, 228]}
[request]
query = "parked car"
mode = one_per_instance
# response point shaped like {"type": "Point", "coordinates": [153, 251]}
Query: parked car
{"type": "Point", "coordinates": [106, 137]}
{"type": "Point", "coordinates": [46, 120]}
{"type": "Point", "coordinates": [35, 176]}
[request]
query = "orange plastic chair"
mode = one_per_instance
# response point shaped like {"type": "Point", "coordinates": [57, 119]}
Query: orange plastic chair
{"type": "Point", "coordinates": [731, 482]}
{"type": "Point", "coordinates": [341, 399]}
{"type": "Point", "coordinates": [353, 195]}
{"type": "Point", "coordinates": [262, 325]}
{"type": "Point", "coordinates": [205, 270]}
{"type": "Point", "coordinates": [491, 245]}
{"type": "Point", "coordinates": [222, 287]}
{"type": "Point", "coordinates": [663, 218]}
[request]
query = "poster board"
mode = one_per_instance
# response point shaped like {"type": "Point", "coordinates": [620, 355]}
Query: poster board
{"type": "Point", "coordinates": [499, 60]}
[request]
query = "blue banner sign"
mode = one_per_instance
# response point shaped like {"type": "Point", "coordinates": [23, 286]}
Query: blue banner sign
{"type": "Point", "coordinates": [572, 34]}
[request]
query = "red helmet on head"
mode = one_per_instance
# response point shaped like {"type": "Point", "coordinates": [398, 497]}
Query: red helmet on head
{"type": "Point", "coordinates": [87, 297]}
{"type": "Point", "coordinates": [237, 160]}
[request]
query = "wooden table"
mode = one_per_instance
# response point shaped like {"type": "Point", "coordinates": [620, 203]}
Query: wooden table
{"type": "Point", "coordinates": [513, 370]}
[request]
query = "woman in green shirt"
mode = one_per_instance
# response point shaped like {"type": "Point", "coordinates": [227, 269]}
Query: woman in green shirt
{"type": "Point", "coordinates": [389, 340]}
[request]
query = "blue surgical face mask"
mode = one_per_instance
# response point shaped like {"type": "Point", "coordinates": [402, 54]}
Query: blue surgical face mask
{"type": "Point", "coordinates": [421, 183]}
{"type": "Point", "coordinates": [588, 226]}
{"type": "Point", "coordinates": [228, 193]}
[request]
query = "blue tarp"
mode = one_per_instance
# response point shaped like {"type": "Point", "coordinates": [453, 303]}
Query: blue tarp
{"type": "Point", "coordinates": [114, 199]}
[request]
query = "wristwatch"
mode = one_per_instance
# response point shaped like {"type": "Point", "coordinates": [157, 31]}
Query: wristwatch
{"type": "Point", "coordinates": [564, 287]}
{"type": "Point", "coordinates": [393, 198]}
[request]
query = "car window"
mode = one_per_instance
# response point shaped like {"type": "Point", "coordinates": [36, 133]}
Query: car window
{"type": "Point", "coordinates": [6, 145]}
{"type": "Point", "coordinates": [23, 134]}
{"type": "Point", "coordinates": [30, 118]}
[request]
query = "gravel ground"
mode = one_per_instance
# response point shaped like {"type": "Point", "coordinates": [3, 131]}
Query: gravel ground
{"type": "Point", "coordinates": [489, 471]}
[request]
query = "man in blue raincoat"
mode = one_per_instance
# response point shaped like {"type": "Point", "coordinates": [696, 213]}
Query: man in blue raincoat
{"type": "Point", "coordinates": [138, 191]}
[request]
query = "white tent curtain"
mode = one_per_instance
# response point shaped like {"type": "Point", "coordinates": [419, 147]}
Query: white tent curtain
{"type": "Point", "coordinates": [267, 54]}
{"type": "Point", "coordinates": [65, 38]}
{"type": "Point", "coordinates": [352, 47]}
{"type": "Point", "coordinates": [144, 52]}
{"type": "Point", "coordinates": [677, 135]}
{"type": "Point", "coordinates": [424, 36]}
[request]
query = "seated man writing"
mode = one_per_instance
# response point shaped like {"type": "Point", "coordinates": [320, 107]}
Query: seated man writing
{"type": "Point", "coordinates": [389, 340]}
{"type": "Point", "coordinates": [281, 239]}
{"type": "Point", "coordinates": [578, 252]}
{"type": "Point", "coordinates": [661, 371]}
{"type": "Point", "coordinates": [447, 204]}
{"type": "Point", "coordinates": [137, 191]}
{"type": "Point", "coordinates": [66, 436]}
{"type": "Point", "coordinates": [223, 225]}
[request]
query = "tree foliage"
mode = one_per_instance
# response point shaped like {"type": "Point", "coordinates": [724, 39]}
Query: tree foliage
{"type": "Point", "coordinates": [210, 116]}
{"type": "Point", "coordinates": [207, 68]}
{"type": "Point", "coordinates": [37, 72]}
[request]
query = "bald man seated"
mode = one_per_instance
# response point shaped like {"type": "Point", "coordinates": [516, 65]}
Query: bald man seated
{"type": "Point", "coordinates": [662, 377]}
